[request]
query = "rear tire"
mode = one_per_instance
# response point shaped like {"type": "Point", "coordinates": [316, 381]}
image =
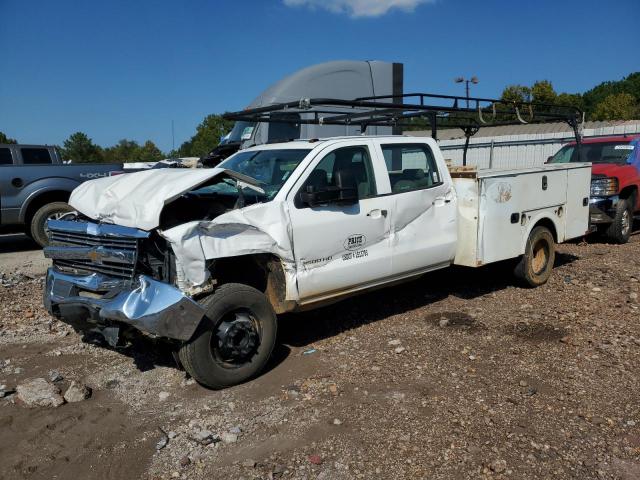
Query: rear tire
{"type": "Point", "coordinates": [535, 266]}
{"type": "Point", "coordinates": [234, 341]}
{"type": "Point", "coordinates": [39, 220]}
{"type": "Point", "coordinates": [620, 230]}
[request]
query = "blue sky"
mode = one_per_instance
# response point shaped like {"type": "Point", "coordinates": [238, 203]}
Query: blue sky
{"type": "Point", "coordinates": [124, 69]}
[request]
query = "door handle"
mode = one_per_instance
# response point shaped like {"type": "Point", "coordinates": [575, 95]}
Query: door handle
{"type": "Point", "coordinates": [377, 213]}
{"type": "Point", "coordinates": [441, 199]}
{"type": "Point", "coordinates": [17, 182]}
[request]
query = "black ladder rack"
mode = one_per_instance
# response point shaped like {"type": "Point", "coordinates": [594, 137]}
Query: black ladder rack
{"type": "Point", "coordinates": [400, 110]}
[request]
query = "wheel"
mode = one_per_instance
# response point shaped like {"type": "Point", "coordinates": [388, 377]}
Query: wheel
{"type": "Point", "coordinates": [536, 264]}
{"type": "Point", "coordinates": [50, 211]}
{"type": "Point", "coordinates": [235, 338]}
{"type": "Point", "coordinates": [620, 230]}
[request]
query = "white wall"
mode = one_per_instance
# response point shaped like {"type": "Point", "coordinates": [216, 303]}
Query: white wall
{"type": "Point", "coordinates": [528, 151]}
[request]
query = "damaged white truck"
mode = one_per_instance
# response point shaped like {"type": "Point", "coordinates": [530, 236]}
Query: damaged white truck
{"type": "Point", "coordinates": [208, 258]}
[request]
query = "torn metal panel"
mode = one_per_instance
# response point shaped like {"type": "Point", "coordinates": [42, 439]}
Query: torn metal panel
{"type": "Point", "coordinates": [137, 199]}
{"type": "Point", "coordinates": [259, 228]}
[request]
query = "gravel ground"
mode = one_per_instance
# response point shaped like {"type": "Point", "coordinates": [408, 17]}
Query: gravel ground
{"type": "Point", "coordinates": [460, 374]}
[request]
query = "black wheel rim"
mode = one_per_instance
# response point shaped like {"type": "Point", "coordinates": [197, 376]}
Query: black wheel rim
{"type": "Point", "coordinates": [236, 338]}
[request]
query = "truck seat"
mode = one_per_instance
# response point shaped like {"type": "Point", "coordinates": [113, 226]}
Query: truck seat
{"type": "Point", "coordinates": [348, 161]}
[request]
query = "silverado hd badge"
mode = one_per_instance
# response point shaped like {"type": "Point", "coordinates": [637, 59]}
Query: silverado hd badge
{"type": "Point", "coordinates": [355, 242]}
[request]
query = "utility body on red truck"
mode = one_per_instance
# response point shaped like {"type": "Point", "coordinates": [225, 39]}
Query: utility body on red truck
{"type": "Point", "coordinates": [615, 181]}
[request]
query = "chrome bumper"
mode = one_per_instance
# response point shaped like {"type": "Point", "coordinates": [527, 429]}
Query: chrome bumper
{"type": "Point", "coordinates": [97, 301]}
{"type": "Point", "coordinates": [603, 209]}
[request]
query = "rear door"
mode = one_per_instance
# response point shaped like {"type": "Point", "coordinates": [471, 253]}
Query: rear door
{"type": "Point", "coordinates": [338, 248]}
{"type": "Point", "coordinates": [6, 166]}
{"type": "Point", "coordinates": [16, 179]}
{"type": "Point", "coordinates": [424, 228]}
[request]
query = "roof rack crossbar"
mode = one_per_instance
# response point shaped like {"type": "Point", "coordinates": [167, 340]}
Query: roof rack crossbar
{"type": "Point", "coordinates": [391, 110]}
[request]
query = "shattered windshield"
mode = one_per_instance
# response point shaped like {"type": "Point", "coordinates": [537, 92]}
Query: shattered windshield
{"type": "Point", "coordinates": [271, 168]}
{"type": "Point", "coordinates": [601, 152]}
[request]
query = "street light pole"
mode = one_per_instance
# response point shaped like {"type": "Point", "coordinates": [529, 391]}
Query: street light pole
{"type": "Point", "coordinates": [473, 80]}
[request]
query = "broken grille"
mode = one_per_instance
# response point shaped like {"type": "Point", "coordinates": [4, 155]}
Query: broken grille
{"type": "Point", "coordinates": [86, 247]}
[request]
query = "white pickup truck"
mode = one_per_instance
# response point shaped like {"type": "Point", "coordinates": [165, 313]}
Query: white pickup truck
{"type": "Point", "coordinates": [209, 257]}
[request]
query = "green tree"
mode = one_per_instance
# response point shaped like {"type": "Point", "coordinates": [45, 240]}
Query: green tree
{"type": "Point", "coordinates": [593, 97]}
{"type": "Point", "coordinates": [149, 152]}
{"type": "Point", "coordinates": [122, 152]}
{"type": "Point", "coordinates": [618, 106]}
{"type": "Point", "coordinates": [5, 139]}
{"type": "Point", "coordinates": [79, 148]}
{"type": "Point", "coordinates": [570, 100]}
{"type": "Point", "coordinates": [516, 93]}
{"type": "Point", "coordinates": [207, 136]}
{"type": "Point", "coordinates": [543, 92]}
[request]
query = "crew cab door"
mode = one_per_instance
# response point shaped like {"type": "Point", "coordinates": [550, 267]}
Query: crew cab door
{"type": "Point", "coordinates": [423, 218]}
{"type": "Point", "coordinates": [6, 161]}
{"type": "Point", "coordinates": [340, 247]}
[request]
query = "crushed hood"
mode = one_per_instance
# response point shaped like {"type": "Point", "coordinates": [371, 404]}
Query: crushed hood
{"type": "Point", "coordinates": [136, 199]}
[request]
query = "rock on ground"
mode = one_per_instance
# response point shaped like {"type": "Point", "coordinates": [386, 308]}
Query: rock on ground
{"type": "Point", "coordinates": [38, 392]}
{"type": "Point", "coordinates": [77, 392]}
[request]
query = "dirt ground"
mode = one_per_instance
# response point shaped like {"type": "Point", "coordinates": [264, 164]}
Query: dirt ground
{"type": "Point", "coordinates": [457, 375]}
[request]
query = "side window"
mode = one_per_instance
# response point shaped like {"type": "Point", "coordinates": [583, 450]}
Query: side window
{"type": "Point", "coordinates": [284, 131]}
{"type": "Point", "coordinates": [355, 159]}
{"type": "Point", "coordinates": [411, 167]}
{"type": "Point", "coordinates": [5, 156]}
{"type": "Point", "coordinates": [35, 156]}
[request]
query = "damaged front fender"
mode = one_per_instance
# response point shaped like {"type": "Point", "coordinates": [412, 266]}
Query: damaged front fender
{"type": "Point", "coordinates": [257, 229]}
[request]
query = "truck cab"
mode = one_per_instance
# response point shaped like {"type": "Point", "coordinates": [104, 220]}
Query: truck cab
{"type": "Point", "coordinates": [615, 181]}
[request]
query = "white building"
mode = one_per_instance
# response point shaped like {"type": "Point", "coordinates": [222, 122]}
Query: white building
{"type": "Point", "coordinates": [513, 146]}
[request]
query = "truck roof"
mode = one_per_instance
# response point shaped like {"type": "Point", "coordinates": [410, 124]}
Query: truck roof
{"type": "Point", "coordinates": [313, 142]}
{"type": "Point", "coordinates": [27, 145]}
{"type": "Point", "coordinates": [614, 138]}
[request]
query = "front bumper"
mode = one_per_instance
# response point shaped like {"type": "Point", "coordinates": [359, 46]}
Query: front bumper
{"type": "Point", "coordinates": [602, 210]}
{"type": "Point", "coordinates": [97, 301]}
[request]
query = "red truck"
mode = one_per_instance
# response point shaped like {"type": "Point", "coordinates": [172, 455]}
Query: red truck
{"type": "Point", "coordinates": [615, 181]}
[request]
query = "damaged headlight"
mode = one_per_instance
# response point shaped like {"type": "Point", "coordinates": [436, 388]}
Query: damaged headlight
{"type": "Point", "coordinates": [604, 186]}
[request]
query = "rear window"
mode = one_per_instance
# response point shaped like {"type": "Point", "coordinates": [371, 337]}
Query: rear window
{"type": "Point", "coordinates": [5, 156]}
{"type": "Point", "coordinates": [35, 156]}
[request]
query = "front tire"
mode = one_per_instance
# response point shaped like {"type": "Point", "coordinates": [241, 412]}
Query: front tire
{"type": "Point", "coordinates": [234, 340]}
{"type": "Point", "coordinates": [49, 211]}
{"type": "Point", "coordinates": [535, 266]}
{"type": "Point", "coordinates": [620, 230]}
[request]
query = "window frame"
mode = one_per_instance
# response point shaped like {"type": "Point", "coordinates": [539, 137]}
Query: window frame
{"type": "Point", "coordinates": [22, 149]}
{"type": "Point", "coordinates": [320, 157]}
{"type": "Point", "coordinates": [12, 160]}
{"type": "Point", "coordinates": [428, 153]}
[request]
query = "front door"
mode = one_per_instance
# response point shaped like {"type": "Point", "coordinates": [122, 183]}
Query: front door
{"type": "Point", "coordinates": [340, 247]}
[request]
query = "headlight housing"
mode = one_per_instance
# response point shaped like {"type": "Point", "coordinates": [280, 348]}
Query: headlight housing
{"type": "Point", "coordinates": [604, 186]}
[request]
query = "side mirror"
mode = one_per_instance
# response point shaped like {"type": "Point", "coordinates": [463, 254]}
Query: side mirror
{"type": "Point", "coordinates": [549, 159]}
{"type": "Point", "coordinates": [345, 191]}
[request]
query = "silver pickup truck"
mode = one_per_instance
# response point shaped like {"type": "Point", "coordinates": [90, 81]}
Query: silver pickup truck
{"type": "Point", "coordinates": [35, 185]}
